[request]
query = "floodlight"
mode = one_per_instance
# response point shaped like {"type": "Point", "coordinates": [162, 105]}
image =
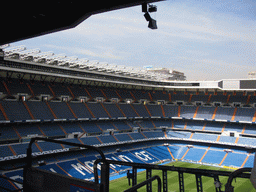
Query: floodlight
{"type": "Point", "coordinates": [152, 24]}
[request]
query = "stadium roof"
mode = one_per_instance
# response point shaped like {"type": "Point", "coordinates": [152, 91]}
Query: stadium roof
{"type": "Point", "coordinates": [26, 19]}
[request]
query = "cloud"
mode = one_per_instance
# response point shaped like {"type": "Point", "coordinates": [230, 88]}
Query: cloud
{"type": "Point", "coordinates": [100, 52]}
{"type": "Point", "coordinates": [213, 69]}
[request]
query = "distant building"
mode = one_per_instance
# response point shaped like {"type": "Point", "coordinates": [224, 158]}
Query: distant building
{"type": "Point", "coordinates": [252, 75]}
{"type": "Point", "coordinates": [167, 74]}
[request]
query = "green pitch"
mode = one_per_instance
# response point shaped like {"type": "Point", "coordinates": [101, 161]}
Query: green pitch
{"type": "Point", "coordinates": [241, 185]}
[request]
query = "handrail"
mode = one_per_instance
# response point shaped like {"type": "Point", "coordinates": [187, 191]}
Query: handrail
{"type": "Point", "coordinates": [133, 188]}
{"type": "Point", "coordinates": [228, 186]}
{"type": "Point", "coordinates": [29, 149]}
{"type": "Point", "coordinates": [204, 172]}
{"type": "Point", "coordinates": [197, 172]}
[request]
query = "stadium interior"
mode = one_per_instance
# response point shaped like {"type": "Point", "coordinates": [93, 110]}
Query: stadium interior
{"type": "Point", "coordinates": [130, 117]}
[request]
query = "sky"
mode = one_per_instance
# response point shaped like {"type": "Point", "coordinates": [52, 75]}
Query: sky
{"type": "Point", "coordinates": [205, 39]}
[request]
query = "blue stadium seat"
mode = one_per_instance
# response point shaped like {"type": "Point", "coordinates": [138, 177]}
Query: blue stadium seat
{"type": "Point", "coordinates": [15, 110]}
{"type": "Point", "coordinates": [80, 110]}
{"type": "Point", "coordinates": [213, 156]}
{"type": "Point", "coordinates": [239, 159]}
{"type": "Point", "coordinates": [61, 110]}
{"type": "Point", "coordinates": [40, 110]}
{"type": "Point", "coordinates": [194, 154]}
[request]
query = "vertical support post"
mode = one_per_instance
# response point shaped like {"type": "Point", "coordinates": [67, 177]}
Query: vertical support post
{"type": "Point", "coordinates": [148, 176]}
{"type": "Point", "coordinates": [165, 183]}
{"type": "Point", "coordinates": [134, 180]}
{"type": "Point", "coordinates": [199, 184]}
{"type": "Point", "coordinates": [181, 181]}
{"type": "Point", "coordinates": [217, 183]}
{"type": "Point", "coordinates": [105, 176]}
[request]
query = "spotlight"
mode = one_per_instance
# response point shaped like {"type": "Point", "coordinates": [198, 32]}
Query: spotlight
{"type": "Point", "coordinates": [152, 24]}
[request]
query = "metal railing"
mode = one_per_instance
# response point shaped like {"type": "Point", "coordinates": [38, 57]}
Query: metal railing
{"type": "Point", "coordinates": [165, 169]}
{"type": "Point", "coordinates": [103, 184]}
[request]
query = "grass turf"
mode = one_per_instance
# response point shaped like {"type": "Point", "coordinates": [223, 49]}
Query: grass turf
{"type": "Point", "coordinates": [241, 185]}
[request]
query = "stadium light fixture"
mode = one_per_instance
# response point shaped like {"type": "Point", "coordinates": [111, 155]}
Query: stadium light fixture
{"type": "Point", "coordinates": [152, 8]}
{"type": "Point", "coordinates": [152, 24]}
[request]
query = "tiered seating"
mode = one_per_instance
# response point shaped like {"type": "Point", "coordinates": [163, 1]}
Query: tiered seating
{"type": "Point", "coordinates": [90, 127]}
{"type": "Point", "coordinates": [90, 115]}
{"type": "Point", "coordinates": [136, 136]}
{"type": "Point", "coordinates": [105, 125]}
{"type": "Point", "coordinates": [107, 138]}
{"type": "Point", "coordinates": [170, 111]}
{"type": "Point", "coordinates": [179, 134]}
{"type": "Point", "coordinates": [213, 156]}
{"type": "Point", "coordinates": [27, 129]}
{"type": "Point", "coordinates": [160, 95]}
{"type": "Point", "coordinates": [128, 110]}
{"type": "Point", "coordinates": [40, 110]}
{"type": "Point", "coordinates": [16, 86]}
{"type": "Point", "coordinates": [123, 137]}
{"type": "Point", "coordinates": [50, 129]}
{"type": "Point", "coordinates": [61, 110]}
{"type": "Point", "coordinates": [205, 112]}
{"type": "Point", "coordinates": [7, 132]}
{"type": "Point", "coordinates": [195, 125]}
{"type": "Point", "coordinates": [121, 125]}
{"type": "Point", "coordinates": [250, 129]}
{"type": "Point", "coordinates": [227, 139]}
{"type": "Point", "coordinates": [195, 154]}
{"type": "Point", "coordinates": [78, 90]}
{"type": "Point", "coordinates": [97, 110]}
{"type": "Point", "coordinates": [155, 110]}
{"type": "Point", "coordinates": [153, 134]}
{"type": "Point", "coordinates": [113, 110]}
{"type": "Point", "coordinates": [141, 110]}
{"type": "Point", "coordinates": [247, 141]}
{"type": "Point", "coordinates": [60, 90]}
{"type": "Point", "coordinates": [239, 159]}
{"type": "Point", "coordinates": [40, 88]}
{"type": "Point", "coordinates": [146, 124]}
{"type": "Point", "coordinates": [244, 114]}
{"type": "Point", "coordinates": [15, 110]}
{"type": "Point", "coordinates": [214, 126]}
{"type": "Point", "coordinates": [95, 92]}
{"type": "Point", "coordinates": [187, 111]}
{"type": "Point", "coordinates": [80, 110]}
{"type": "Point", "coordinates": [71, 127]}
{"type": "Point", "coordinates": [179, 124]}
{"type": "Point", "coordinates": [90, 140]}
{"type": "Point", "coordinates": [180, 96]}
{"type": "Point", "coordinates": [225, 113]}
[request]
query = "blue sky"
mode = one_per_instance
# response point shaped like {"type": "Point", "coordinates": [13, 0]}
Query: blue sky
{"type": "Point", "coordinates": [207, 40]}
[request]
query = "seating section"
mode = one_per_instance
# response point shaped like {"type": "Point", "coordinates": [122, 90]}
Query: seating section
{"type": "Point", "coordinates": [61, 110]}
{"type": "Point", "coordinates": [40, 110]}
{"type": "Point", "coordinates": [15, 110]}
{"type": "Point", "coordinates": [99, 121]}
